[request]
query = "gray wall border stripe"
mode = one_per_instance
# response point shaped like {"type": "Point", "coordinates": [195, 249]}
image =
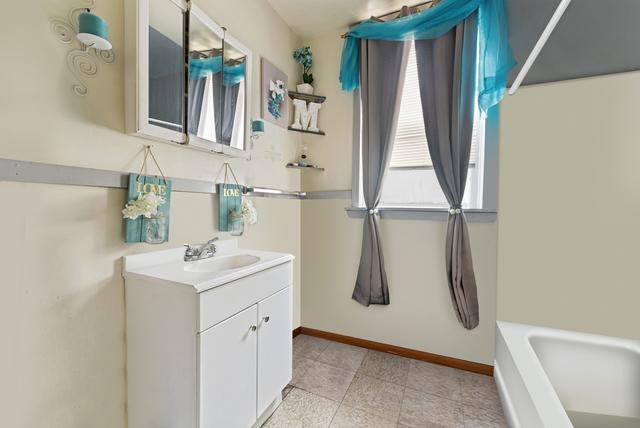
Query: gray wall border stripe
{"type": "Point", "coordinates": [37, 172]}
{"type": "Point", "coordinates": [46, 173]}
{"type": "Point", "coordinates": [328, 194]}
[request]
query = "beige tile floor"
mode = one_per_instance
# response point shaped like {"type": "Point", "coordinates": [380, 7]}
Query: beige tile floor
{"type": "Point", "coordinates": [338, 385]}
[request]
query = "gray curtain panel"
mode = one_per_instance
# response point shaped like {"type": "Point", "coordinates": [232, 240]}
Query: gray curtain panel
{"type": "Point", "coordinates": [229, 102]}
{"type": "Point", "coordinates": [446, 72]}
{"type": "Point", "coordinates": [382, 71]}
{"type": "Point", "coordinates": [197, 98]}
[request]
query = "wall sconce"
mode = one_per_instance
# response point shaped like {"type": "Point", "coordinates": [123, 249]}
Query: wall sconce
{"type": "Point", "coordinates": [257, 128]}
{"type": "Point", "coordinates": [89, 31]}
{"type": "Point", "coordinates": [93, 31]}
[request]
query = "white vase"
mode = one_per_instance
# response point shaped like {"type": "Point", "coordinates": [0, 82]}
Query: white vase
{"type": "Point", "coordinates": [305, 88]}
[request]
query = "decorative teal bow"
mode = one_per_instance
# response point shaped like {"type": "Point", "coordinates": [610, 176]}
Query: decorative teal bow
{"type": "Point", "coordinates": [495, 59]}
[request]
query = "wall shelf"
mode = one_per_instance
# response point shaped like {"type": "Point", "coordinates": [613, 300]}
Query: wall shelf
{"type": "Point", "coordinates": [295, 165]}
{"type": "Point", "coordinates": [305, 131]}
{"type": "Point", "coordinates": [307, 97]}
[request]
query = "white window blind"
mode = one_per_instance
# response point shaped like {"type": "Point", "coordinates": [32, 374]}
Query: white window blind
{"type": "Point", "coordinates": [410, 147]}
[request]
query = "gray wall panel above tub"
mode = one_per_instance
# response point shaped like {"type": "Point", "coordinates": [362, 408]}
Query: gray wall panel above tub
{"type": "Point", "coordinates": [594, 37]}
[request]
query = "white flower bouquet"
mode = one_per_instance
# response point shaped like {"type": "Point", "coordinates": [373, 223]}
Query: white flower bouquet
{"type": "Point", "coordinates": [145, 205]}
{"type": "Point", "coordinates": [248, 212]}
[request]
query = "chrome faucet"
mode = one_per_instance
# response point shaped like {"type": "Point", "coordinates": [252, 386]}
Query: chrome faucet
{"type": "Point", "coordinates": [200, 251]}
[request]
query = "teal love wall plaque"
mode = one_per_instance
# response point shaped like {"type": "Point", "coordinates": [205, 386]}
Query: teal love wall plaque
{"type": "Point", "coordinates": [154, 230]}
{"type": "Point", "coordinates": [229, 199]}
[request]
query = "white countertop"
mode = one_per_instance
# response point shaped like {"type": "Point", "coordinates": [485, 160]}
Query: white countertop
{"type": "Point", "coordinates": [169, 265]}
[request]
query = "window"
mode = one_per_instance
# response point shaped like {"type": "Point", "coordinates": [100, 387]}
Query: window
{"type": "Point", "coordinates": [410, 180]}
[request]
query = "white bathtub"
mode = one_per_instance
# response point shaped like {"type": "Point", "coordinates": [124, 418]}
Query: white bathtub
{"type": "Point", "coordinates": [551, 378]}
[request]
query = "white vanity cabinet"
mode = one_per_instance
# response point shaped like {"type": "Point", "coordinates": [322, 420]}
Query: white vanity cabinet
{"type": "Point", "coordinates": [254, 365]}
{"type": "Point", "coordinates": [228, 372]}
{"type": "Point", "coordinates": [203, 356]}
{"type": "Point", "coordinates": [274, 341]}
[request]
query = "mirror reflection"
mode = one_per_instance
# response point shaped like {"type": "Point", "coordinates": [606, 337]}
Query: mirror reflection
{"type": "Point", "coordinates": [205, 82]}
{"type": "Point", "coordinates": [234, 96]}
{"type": "Point", "coordinates": [166, 65]}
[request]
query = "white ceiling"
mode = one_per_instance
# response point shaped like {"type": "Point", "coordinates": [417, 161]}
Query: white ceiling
{"type": "Point", "coordinates": [592, 38]}
{"type": "Point", "coordinates": [310, 18]}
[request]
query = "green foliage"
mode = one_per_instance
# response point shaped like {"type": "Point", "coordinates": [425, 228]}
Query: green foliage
{"type": "Point", "coordinates": [307, 78]}
{"type": "Point", "coordinates": [304, 57]}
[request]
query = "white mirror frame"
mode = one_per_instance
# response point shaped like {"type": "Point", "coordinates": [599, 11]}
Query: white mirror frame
{"type": "Point", "coordinates": [137, 81]}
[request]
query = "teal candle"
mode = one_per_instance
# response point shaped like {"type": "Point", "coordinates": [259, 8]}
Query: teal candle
{"type": "Point", "coordinates": [257, 126]}
{"type": "Point", "coordinates": [93, 31]}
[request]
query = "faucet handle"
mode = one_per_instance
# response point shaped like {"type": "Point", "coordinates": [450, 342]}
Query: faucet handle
{"type": "Point", "coordinates": [212, 240]}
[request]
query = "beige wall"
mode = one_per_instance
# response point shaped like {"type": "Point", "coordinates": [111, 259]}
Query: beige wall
{"type": "Point", "coordinates": [420, 315]}
{"type": "Point", "coordinates": [566, 232]}
{"type": "Point", "coordinates": [62, 349]}
{"type": "Point", "coordinates": [62, 337]}
{"type": "Point", "coordinates": [569, 206]}
{"type": "Point", "coordinates": [332, 151]}
{"type": "Point", "coordinates": [44, 121]}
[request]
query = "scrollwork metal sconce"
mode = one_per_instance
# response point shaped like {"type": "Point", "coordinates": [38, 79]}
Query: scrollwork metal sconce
{"type": "Point", "coordinates": [81, 61]}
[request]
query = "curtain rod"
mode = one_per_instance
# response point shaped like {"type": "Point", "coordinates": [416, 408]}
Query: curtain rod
{"type": "Point", "coordinates": [431, 3]}
{"type": "Point", "coordinates": [215, 53]}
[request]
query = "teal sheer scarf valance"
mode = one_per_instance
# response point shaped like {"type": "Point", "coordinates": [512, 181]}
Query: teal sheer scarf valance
{"type": "Point", "coordinates": [199, 68]}
{"type": "Point", "coordinates": [495, 59]}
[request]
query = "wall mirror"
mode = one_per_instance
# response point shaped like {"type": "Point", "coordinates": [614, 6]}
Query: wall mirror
{"type": "Point", "coordinates": [188, 81]}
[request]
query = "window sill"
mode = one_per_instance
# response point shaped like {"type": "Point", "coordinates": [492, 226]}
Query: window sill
{"type": "Point", "coordinates": [415, 213]}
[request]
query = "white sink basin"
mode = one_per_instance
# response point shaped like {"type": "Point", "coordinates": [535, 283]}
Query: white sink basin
{"type": "Point", "coordinates": [230, 263]}
{"type": "Point", "coordinates": [221, 263]}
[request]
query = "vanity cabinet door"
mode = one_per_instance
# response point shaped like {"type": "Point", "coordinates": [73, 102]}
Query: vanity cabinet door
{"type": "Point", "coordinates": [274, 346]}
{"type": "Point", "coordinates": [228, 353]}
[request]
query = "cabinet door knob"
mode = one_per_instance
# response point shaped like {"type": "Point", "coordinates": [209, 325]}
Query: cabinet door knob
{"type": "Point", "coordinates": [266, 319]}
{"type": "Point", "coordinates": [253, 328]}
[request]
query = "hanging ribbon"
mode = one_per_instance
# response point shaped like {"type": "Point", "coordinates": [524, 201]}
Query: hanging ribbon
{"type": "Point", "coordinates": [147, 152]}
